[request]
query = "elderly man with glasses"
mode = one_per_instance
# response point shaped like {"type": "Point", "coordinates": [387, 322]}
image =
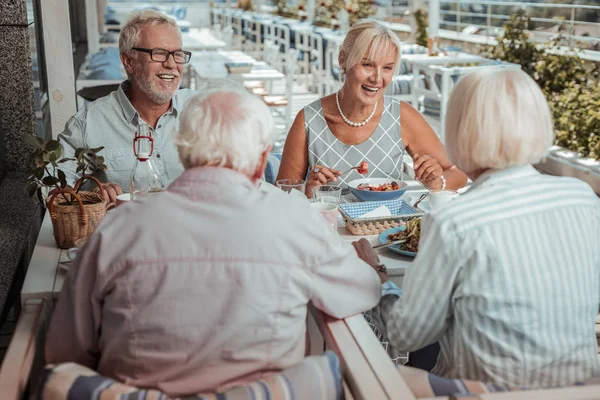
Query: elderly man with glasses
{"type": "Point", "coordinates": [151, 52]}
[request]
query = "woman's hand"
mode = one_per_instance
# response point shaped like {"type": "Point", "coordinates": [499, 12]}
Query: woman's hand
{"type": "Point", "coordinates": [319, 176]}
{"type": "Point", "coordinates": [428, 171]}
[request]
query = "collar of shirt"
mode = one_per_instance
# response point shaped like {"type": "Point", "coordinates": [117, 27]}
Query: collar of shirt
{"type": "Point", "coordinates": [495, 176]}
{"type": "Point", "coordinates": [130, 113]}
{"type": "Point", "coordinates": [213, 175]}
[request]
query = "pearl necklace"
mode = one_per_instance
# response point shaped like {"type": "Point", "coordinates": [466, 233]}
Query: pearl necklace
{"type": "Point", "coordinates": [346, 120]}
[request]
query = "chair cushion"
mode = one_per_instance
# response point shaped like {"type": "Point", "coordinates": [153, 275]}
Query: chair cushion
{"type": "Point", "coordinates": [401, 84]}
{"type": "Point", "coordinates": [316, 377]}
{"type": "Point", "coordinates": [275, 101]}
{"type": "Point", "coordinates": [424, 384]}
{"type": "Point", "coordinates": [107, 72]}
{"type": "Point", "coordinates": [431, 107]}
{"type": "Point", "coordinates": [272, 168]}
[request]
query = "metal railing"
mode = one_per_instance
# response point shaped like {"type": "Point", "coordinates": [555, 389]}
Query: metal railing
{"type": "Point", "coordinates": [453, 17]}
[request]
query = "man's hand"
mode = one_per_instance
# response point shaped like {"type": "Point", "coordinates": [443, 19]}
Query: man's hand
{"type": "Point", "coordinates": [367, 254]}
{"type": "Point", "coordinates": [110, 191]}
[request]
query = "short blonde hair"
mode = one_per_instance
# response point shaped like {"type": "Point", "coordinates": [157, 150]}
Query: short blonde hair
{"type": "Point", "coordinates": [137, 20]}
{"type": "Point", "coordinates": [224, 127]}
{"type": "Point", "coordinates": [497, 119]}
{"type": "Point", "coordinates": [368, 36]}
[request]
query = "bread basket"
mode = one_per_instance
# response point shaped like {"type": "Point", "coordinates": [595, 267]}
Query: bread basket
{"type": "Point", "coordinates": [357, 225]}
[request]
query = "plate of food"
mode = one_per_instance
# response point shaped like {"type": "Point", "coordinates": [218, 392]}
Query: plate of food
{"type": "Point", "coordinates": [411, 232]}
{"type": "Point", "coordinates": [377, 189]}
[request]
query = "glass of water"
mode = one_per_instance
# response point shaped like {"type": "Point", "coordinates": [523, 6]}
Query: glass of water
{"type": "Point", "coordinates": [287, 185]}
{"type": "Point", "coordinates": [327, 194]}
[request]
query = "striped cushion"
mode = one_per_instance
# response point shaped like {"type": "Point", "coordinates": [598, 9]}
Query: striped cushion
{"type": "Point", "coordinates": [316, 377]}
{"type": "Point", "coordinates": [401, 84]}
{"type": "Point", "coordinates": [430, 107]}
{"type": "Point", "coordinates": [425, 385]}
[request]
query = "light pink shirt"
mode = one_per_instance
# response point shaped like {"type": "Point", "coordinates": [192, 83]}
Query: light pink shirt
{"type": "Point", "coordinates": [204, 286]}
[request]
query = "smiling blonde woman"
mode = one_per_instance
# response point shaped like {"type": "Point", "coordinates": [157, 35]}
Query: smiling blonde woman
{"type": "Point", "coordinates": [359, 123]}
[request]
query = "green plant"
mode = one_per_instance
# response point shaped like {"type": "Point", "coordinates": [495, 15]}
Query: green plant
{"type": "Point", "coordinates": [47, 174]}
{"type": "Point", "coordinates": [570, 85]}
{"type": "Point", "coordinates": [327, 11]}
{"type": "Point", "coordinates": [245, 5]}
{"type": "Point", "coordinates": [514, 46]}
{"type": "Point", "coordinates": [359, 9]}
{"type": "Point", "coordinates": [284, 11]}
{"type": "Point", "coordinates": [421, 27]}
{"type": "Point", "coordinates": [576, 114]}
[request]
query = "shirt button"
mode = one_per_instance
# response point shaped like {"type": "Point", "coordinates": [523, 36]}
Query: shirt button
{"type": "Point", "coordinates": [157, 155]}
{"type": "Point", "coordinates": [160, 126]}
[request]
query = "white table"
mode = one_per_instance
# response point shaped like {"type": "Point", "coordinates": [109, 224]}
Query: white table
{"type": "Point", "coordinates": [442, 65]}
{"type": "Point", "coordinates": [201, 39]}
{"type": "Point", "coordinates": [207, 65]}
{"type": "Point", "coordinates": [45, 277]}
{"type": "Point", "coordinates": [211, 65]}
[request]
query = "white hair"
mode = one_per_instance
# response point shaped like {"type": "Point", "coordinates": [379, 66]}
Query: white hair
{"type": "Point", "coordinates": [225, 127]}
{"type": "Point", "coordinates": [137, 20]}
{"type": "Point", "coordinates": [497, 119]}
{"type": "Point", "coordinates": [368, 36]}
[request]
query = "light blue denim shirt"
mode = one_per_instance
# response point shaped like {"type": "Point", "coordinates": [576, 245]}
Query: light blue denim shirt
{"type": "Point", "coordinates": [111, 122]}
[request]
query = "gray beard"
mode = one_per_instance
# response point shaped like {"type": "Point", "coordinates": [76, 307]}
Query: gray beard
{"type": "Point", "coordinates": [154, 94]}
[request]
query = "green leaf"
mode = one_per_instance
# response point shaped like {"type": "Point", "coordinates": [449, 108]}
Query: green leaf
{"type": "Point", "coordinates": [99, 161]}
{"type": "Point", "coordinates": [49, 181]}
{"type": "Point", "coordinates": [97, 149]}
{"type": "Point", "coordinates": [39, 173]}
{"type": "Point", "coordinates": [78, 152]}
{"type": "Point", "coordinates": [33, 141]}
{"type": "Point", "coordinates": [79, 168]}
{"type": "Point", "coordinates": [58, 152]}
{"type": "Point", "coordinates": [63, 160]}
{"type": "Point", "coordinates": [62, 178]}
{"type": "Point", "coordinates": [52, 158]}
{"type": "Point", "coordinates": [52, 145]}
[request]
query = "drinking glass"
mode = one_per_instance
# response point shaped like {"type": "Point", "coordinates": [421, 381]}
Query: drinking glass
{"type": "Point", "coordinates": [329, 211]}
{"type": "Point", "coordinates": [287, 185]}
{"type": "Point", "coordinates": [327, 194]}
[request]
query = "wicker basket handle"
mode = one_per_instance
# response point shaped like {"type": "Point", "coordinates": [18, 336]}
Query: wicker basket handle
{"type": "Point", "coordinates": [72, 193]}
{"type": "Point", "coordinates": [79, 182]}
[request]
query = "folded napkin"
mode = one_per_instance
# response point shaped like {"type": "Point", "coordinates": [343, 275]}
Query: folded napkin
{"type": "Point", "coordinates": [381, 211]}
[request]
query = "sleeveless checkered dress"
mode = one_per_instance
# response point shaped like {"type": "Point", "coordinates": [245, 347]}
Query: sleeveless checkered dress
{"type": "Point", "coordinates": [383, 150]}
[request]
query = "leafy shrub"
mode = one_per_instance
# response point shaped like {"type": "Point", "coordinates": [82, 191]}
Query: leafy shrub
{"type": "Point", "coordinates": [421, 26]}
{"type": "Point", "coordinates": [576, 113]}
{"type": "Point", "coordinates": [570, 85]}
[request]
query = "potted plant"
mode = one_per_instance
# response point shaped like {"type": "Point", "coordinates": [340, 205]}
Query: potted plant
{"type": "Point", "coordinates": [74, 212]}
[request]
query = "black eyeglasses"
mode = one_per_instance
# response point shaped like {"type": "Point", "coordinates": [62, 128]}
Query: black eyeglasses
{"type": "Point", "coordinates": [162, 55]}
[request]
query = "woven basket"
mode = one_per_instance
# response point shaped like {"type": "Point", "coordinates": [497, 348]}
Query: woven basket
{"type": "Point", "coordinates": [376, 225]}
{"type": "Point", "coordinates": [73, 222]}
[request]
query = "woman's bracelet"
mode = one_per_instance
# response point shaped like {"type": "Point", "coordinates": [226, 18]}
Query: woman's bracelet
{"type": "Point", "coordinates": [443, 182]}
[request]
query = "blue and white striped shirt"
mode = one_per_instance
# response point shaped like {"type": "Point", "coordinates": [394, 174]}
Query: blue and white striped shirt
{"type": "Point", "coordinates": [507, 278]}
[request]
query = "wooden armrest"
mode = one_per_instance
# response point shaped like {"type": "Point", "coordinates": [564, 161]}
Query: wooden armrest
{"type": "Point", "coordinates": [380, 362]}
{"type": "Point", "coordinates": [23, 351]}
{"type": "Point", "coordinates": [357, 372]}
